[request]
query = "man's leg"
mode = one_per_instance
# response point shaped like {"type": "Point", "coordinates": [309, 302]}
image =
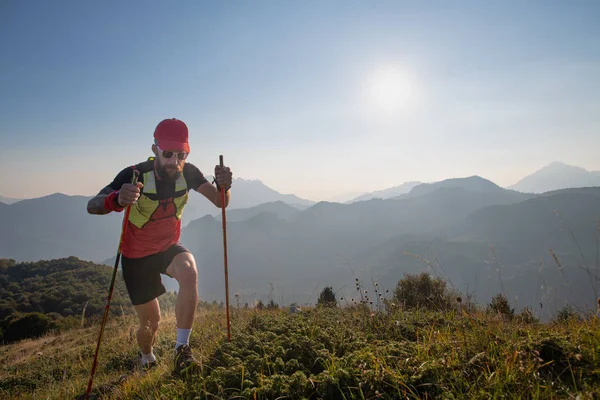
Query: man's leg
{"type": "Point", "coordinates": [183, 269]}
{"type": "Point", "coordinates": [142, 279]}
{"type": "Point", "coordinates": [149, 318]}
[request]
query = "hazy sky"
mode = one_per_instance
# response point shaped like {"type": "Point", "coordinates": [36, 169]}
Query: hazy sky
{"type": "Point", "coordinates": [311, 97]}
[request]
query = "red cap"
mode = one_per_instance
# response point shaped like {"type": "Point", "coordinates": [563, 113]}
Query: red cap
{"type": "Point", "coordinates": [172, 134]}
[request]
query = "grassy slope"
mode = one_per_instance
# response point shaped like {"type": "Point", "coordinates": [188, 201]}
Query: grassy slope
{"type": "Point", "coordinates": [322, 353]}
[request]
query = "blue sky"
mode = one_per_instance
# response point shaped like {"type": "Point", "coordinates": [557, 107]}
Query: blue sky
{"type": "Point", "coordinates": [282, 90]}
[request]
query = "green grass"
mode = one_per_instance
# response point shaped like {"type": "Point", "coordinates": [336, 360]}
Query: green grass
{"type": "Point", "coordinates": [348, 353]}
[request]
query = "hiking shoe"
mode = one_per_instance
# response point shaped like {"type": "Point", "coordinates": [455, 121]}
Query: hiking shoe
{"type": "Point", "coordinates": [148, 366]}
{"type": "Point", "coordinates": [185, 361]}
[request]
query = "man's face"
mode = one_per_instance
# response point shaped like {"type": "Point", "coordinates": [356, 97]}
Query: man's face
{"type": "Point", "coordinates": [170, 163]}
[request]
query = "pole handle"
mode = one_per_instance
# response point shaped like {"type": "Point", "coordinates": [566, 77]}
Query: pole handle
{"type": "Point", "coordinates": [136, 174]}
{"type": "Point", "coordinates": [221, 160]}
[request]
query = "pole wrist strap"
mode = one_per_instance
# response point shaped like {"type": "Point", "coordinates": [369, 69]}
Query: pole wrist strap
{"type": "Point", "coordinates": [111, 202]}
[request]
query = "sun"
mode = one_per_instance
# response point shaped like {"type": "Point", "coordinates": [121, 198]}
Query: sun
{"type": "Point", "coordinates": [390, 90]}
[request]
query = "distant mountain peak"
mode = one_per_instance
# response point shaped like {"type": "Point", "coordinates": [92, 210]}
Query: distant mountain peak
{"type": "Point", "coordinates": [474, 179]}
{"type": "Point", "coordinates": [391, 192]}
{"type": "Point", "coordinates": [8, 200]}
{"type": "Point", "coordinates": [559, 165]}
{"type": "Point", "coordinates": [473, 183]}
{"type": "Point", "coordinates": [555, 176]}
{"type": "Point", "coordinates": [250, 180]}
{"type": "Point", "coordinates": [210, 178]}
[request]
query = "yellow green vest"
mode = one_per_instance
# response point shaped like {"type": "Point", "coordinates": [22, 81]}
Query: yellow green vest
{"type": "Point", "coordinates": [143, 210]}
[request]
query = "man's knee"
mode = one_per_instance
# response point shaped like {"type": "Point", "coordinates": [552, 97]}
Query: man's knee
{"type": "Point", "coordinates": [185, 270]}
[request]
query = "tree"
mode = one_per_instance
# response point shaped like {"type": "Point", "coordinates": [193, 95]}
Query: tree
{"type": "Point", "coordinates": [500, 305]}
{"type": "Point", "coordinates": [327, 298]}
{"type": "Point", "coordinates": [566, 314]}
{"type": "Point", "coordinates": [423, 291]}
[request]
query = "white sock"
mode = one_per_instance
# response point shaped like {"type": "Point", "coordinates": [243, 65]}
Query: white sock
{"type": "Point", "coordinates": [148, 358]}
{"type": "Point", "coordinates": [183, 337]}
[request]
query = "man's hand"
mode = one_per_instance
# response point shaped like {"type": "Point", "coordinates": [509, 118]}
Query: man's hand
{"type": "Point", "coordinates": [223, 176]}
{"type": "Point", "coordinates": [129, 194]}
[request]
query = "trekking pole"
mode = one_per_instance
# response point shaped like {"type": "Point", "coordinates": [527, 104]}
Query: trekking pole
{"type": "Point", "coordinates": [110, 290]}
{"type": "Point", "coordinates": [224, 222]}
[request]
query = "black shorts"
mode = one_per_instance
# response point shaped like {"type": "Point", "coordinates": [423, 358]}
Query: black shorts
{"type": "Point", "coordinates": [142, 275]}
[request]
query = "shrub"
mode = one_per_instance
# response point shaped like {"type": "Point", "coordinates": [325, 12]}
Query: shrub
{"type": "Point", "coordinates": [28, 325]}
{"type": "Point", "coordinates": [423, 291]}
{"type": "Point", "coordinates": [526, 317]}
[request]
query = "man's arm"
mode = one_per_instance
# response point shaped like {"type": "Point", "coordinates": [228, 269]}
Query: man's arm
{"type": "Point", "coordinates": [197, 181]}
{"type": "Point", "coordinates": [96, 204]}
{"type": "Point", "coordinates": [213, 194]}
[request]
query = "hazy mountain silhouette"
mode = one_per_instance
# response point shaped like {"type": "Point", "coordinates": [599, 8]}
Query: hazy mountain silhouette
{"type": "Point", "coordinates": [254, 192]}
{"type": "Point", "coordinates": [557, 175]}
{"type": "Point", "coordinates": [474, 184]}
{"type": "Point", "coordinates": [344, 197]}
{"type": "Point", "coordinates": [8, 200]}
{"type": "Point", "coordinates": [549, 217]}
{"type": "Point", "coordinates": [387, 193]}
{"type": "Point", "coordinates": [55, 226]}
{"type": "Point", "coordinates": [244, 194]}
{"type": "Point", "coordinates": [278, 208]}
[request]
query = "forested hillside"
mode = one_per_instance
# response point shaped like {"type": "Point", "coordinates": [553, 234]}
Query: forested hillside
{"type": "Point", "coordinates": [53, 294]}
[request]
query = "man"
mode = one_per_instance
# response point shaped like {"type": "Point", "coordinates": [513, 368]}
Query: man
{"type": "Point", "coordinates": [151, 243]}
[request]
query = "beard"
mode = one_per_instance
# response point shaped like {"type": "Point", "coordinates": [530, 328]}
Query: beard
{"type": "Point", "coordinates": [169, 173]}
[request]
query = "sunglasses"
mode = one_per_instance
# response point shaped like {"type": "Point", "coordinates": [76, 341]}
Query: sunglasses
{"type": "Point", "coordinates": [181, 155]}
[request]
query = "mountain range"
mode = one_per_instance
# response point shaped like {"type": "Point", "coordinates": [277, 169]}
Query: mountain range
{"type": "Point", "coordinates": [554, 176]}
{"type": "Point", "coordinates": [57, 224]}
{"type": "Point", "coordinates": [480, 237]}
